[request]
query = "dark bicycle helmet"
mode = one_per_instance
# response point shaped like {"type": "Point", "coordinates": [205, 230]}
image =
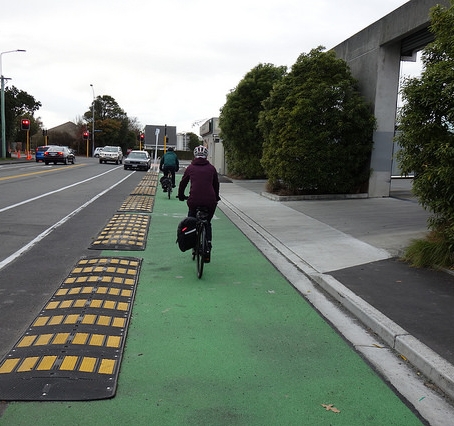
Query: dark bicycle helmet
{"type": "Point", "coordinates": [200, 152]}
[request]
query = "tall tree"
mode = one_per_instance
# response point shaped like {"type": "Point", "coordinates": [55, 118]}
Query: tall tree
{"type": "Point", "coordinates": [19, 104]}
{"type": "Point", "coordinates": [317, 129]}
{"type": "Point", "coordinates": [426, 126]}
{"type": "Point", "coordinates": [193, 140]}
{"type": "Point", "coordinates": [239, 117]}
{"type": "Point", "coordinates": [112, 125]}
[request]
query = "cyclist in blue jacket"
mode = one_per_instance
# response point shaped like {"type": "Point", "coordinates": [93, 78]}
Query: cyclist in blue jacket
{"type": "Point", "coordinates": [169, 163]}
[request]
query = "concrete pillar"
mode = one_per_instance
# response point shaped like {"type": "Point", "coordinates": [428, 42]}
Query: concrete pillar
{"type": "Point", "coordinates": [385, 106]}
{"type": "Point", "coordinates": [373, 56]}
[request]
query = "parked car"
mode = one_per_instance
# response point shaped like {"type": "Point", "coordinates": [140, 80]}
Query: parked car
{"type": "Point", "coordinates": [138, 160]}
{"type": "Point", "coordinates": [59, 154]}
{"type": "Point", "coordinates": [112, 154]}
{"type": "Point", "coordinates": [97, 151]}
{"type": "Point", "coordinates": [39, 152]}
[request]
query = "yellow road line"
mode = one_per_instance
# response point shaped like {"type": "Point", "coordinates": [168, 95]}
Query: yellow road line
{"type": "Point", "coordinates": [37, 173]}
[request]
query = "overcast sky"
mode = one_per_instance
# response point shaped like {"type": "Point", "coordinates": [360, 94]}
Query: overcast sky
{"type": "Point", "coordinates": [165, 62]}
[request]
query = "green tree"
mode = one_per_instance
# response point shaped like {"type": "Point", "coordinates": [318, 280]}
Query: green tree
{"type": "Point", "coordinates": [238, 120]}
{"type": "Point", "coordinates": [63, 138]}
{"type": "Point", "coordinates": [317, 129]}
{"type": "Point", "coordinates": [134, 131]}
{"type": "Point", "coordinates": [18, 105]}
{"type": "Point", "coordinates": [426, 128]}
{"type": "Point", "coordinates": [112, 124]}
{"type": "Point", "coordinates": [193, 141]}
{"type": "Point", "coordinates": [106, 107]}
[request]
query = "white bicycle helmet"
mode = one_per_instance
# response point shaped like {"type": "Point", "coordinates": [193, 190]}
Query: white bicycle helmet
{"type": "Point", "coordinates": [200, 152]}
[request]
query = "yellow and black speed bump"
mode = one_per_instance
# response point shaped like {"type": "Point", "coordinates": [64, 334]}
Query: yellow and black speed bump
{"type": "Point", "coordinates": [150, 179]}
{"type": "Point", "coordinates": [144, 190]}
{"type": "Point", "coordinates": [123, 232]}
{"type": "Point", "coordinates": [140, 203]}
{"type": "Point", "coordinates": [73, 349]}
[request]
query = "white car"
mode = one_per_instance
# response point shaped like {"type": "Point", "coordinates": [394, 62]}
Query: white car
{"type": "Point", "coordinates": [97, 151]}
{"type": "Point", "coordinates": [112, 154]}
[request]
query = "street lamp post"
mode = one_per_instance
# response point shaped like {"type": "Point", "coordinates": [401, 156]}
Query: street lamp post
{"type": "Point", "coordinates": [3, 100]}
{"type": "Point", "coordinates": [93, 123]}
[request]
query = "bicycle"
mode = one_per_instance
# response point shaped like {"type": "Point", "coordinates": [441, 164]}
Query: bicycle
{"type": "Point", "coordinates": [166, 182]}
{"type": "Point", "coordinates": [202, 249]}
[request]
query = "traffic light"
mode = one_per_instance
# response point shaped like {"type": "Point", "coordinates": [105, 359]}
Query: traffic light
{"type": "Point", "coordinates": [25, 124]}
{"type": "Point", "coordinates": [85, 135]}
{"type": "Point", "coordinates": [142, 137]}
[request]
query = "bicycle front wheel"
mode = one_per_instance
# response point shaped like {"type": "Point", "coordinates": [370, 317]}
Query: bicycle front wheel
{"type": "Point", "coordinates": [201, 248]}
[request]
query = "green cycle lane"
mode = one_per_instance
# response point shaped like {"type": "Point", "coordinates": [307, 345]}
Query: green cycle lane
{"type": "Point", "coordinates": [238, 347]}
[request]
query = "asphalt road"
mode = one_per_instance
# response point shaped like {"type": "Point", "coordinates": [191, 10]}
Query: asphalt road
{"type": "Point", "coordinates": [47, 216]}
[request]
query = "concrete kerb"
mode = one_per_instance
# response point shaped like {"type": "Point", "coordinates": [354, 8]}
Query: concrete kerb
{"type": "Point", "coordinates": [380, 324]}
{"type": "Point", "coordinates": [432, 365]}
{"type": "Point", "coordinates": [417, 353]}
{"type": "Point", "coordinates": [275, 197]}
{"type": "Point", "coordinates": [428, 362]}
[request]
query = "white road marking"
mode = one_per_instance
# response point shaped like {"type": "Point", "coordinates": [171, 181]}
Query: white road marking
{"type": "Point", "coordinates": [12, 206]}
{"type": "Point", "coordinates": [37, 239]}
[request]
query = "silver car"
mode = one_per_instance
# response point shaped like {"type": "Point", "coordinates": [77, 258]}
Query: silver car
{"type": "Point", "coordinates": [138, 160]}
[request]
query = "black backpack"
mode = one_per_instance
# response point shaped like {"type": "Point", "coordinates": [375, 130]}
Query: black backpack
{"type": "Point", "coordinates": [186, 233]}
{"type": "Point", "coordinates": [165, 182]}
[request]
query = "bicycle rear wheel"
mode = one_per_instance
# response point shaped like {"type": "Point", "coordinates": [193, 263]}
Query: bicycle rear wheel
{"type": "Point", "coordinates": [201, 248]}
{"type": "Point", "coordinates": [169, 190]}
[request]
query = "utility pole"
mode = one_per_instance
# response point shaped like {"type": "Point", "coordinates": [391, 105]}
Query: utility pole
{"type": "Point", "coordinates": [2, 100]}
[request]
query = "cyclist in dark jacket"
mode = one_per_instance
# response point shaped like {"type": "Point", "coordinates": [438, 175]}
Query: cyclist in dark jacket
{"type": "Point", "coordinates": [204, 189]}
{"type": "Point", "coordinates": [169, 163]}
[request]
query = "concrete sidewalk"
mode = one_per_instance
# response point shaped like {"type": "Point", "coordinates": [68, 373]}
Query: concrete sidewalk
{"type": "Point", "coordinates": [349, 248]}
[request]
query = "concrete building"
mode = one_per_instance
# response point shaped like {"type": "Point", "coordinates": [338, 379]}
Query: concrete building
{"type": "Point", "coordinates": [210, 134]}
{"type": "Point", "coordinates": [64, 134]}
{"type": "Point", "coordinates": [374, 56]}
{"type": "Point", "coordinates": [182, 141]}
{"type": "Point", "coordinates": [154, 135]}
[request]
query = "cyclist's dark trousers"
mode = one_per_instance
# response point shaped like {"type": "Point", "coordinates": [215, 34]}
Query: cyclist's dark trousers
{"type": "Point", "coordinates": [192, 213]}
{"type": "Point", "coordinates": [171, 169]}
